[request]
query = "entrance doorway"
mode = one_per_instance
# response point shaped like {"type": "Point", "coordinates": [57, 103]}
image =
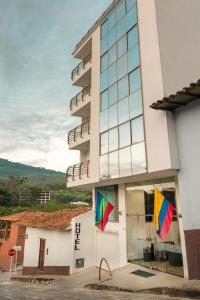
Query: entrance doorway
{"type": "Point", "coordinates": [41, 254]}
{"type": "Point", "coordinates": [144, 246]}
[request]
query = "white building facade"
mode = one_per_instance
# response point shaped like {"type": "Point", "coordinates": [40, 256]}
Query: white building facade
{"type": "Point", "coordinates": [135, 54]}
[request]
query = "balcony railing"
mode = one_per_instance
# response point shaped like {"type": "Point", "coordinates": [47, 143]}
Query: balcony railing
{"type": "Point", "coordinates": [80, 66]}
{"type": "Point", "coordinates": [79, 171]}
{"type": "Point", "coordinates": [78, 132]}
{"type": "Point", "coordinates": [79, 98]}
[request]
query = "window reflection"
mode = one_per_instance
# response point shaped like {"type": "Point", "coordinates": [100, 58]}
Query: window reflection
{"type": "Point", "coordinates": [113, 139]}
{"type": "Point", "coordinates": [104, 166]}
{"type": "Point", "coordinates": [135, 104]}
{"type": "Point", "coordinates": [121, 27]}
{"type": "Point", "coordinates": [113, 116]}
{"type": "Point", "coordinates": [124, 162]}
{"type": "Point", "coordinates": [104, 80]}
{"type": "Point", "coordinates": [123, 111]}
{"type": "Point", "coordinates": [104, 62]}
{"type": "Point", "coordinates": [104, 100]}
{"type": "Point", "coordinates": [122, 46]}
{"type": "Point", "coordinates": [133, 37]}
{"type": "Point", "coordinates": [121, 10]}
{"type": "Point", "coordinates": [112, 55]}
{"type": "Point", "coordinates": [137, 129]}
{"type": "Point", "coordinates": [123, 87]}
{"type": "Point", "coordinates": [111, 20]}
{"type": "Point", "coordinates": [122, 66]}
{"type": "Point", "coordinates": [112, 94]}
{"type": "Point", "coordinates": [104, 45]}
{"type": "Point", "coordinates": [138, 157]}
{"type": "Point", "coordinates": [104, 143]}
{"type": "Point", "coordinates": [104, 29]}
{"type": "Point", "coordinates": [130, 3]}
{"type": "Point", "coordinates": [124, 135]}
{"type": "Point", "coordinates": [131, 18]}
{"type": "Point", "coordinates": [114, 164]}
{"type": "Point", "coordinates": [133, 58]}
{"type": "Point", "coordinates": [135, 81]}
{"type": "Point", "coordinates": [112, 37]}
{"type": "Point", "coordinates": [104, 121]}
{"type": "Point", "coordinates": [112, 74]}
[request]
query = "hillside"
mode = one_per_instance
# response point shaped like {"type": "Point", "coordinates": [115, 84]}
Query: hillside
{"type": "Point", "coordinates": [36, 176]}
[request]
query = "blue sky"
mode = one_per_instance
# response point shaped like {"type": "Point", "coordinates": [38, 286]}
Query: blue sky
{"type": "Point", "coordinates": [37, 38]}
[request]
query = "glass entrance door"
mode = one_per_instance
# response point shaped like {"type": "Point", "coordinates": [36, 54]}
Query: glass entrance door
{"type": "Point", "coordinates": [143, 243]}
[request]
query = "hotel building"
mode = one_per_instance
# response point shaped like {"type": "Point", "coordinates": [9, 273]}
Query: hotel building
{"type": "Point", "coordinates": [137, 53]}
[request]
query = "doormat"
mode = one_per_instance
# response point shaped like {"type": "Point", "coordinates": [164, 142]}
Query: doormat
{"type": "Point", "coordinates": [142, 273]}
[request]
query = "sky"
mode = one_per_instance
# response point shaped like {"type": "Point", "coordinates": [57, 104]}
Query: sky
{"type": "Point", "coordinates": [37, 38]}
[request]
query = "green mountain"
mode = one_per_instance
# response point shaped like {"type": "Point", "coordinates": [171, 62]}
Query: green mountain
{"type": "Point", "coordinates": [36, 176]}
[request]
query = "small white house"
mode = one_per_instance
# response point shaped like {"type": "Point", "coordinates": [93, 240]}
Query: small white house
{"type": "Point", "coordinates": [58, 244]}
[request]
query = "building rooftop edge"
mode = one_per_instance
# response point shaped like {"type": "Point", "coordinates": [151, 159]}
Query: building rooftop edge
{"type": "Point", "coordinates": [96, 24]}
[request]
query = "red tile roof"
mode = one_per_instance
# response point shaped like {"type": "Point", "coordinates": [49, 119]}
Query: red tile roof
{"type": "Point", "coordinates": [25, 216]}
{"type": "Point", "coordinates": [57, 220]}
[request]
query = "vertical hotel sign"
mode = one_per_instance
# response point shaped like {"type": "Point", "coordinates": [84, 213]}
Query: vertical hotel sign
{"type": "Point", "coordinates": [77, 236]}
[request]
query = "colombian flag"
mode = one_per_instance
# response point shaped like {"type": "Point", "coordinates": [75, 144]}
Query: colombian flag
{"type": "Point", "coordinates": [163, 214]}
{"type": "Point", "coordinates": [103, 210]}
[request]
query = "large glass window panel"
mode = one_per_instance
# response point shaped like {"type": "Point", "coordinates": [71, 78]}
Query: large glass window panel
{"type": "Point", "coordinates": [123, 111]}
{"type": "Point", "coordinates": [135, 81]}
{"type": "Point", "coordinates": [112, 55]}
{"type": "Point", "coordinates": [121, 10]}
{"type": "Point", "coordinates": [131, 18]}
{"type": "Point", "coordinates": [104, 80]}
{"type": "Point", "coordinates": [112, 92]}
{"type": "Point", "coordinates": [114, 164]}
{"type": "Point", "coordinates": [133, 58]}
{"type": "Point", "coordinates": [104, 120]}
{"type": "Point", "coordinates": [104, 100]}
{"type": "Point", "coordinates": [137, 130]}
{"type": "Point", "coordinates": [112, 74]}
{"type": "Point", "coordinates": [122, 66]}
{"type": "Point", "coordinates": [104, 29]}
{"type": "Point", "coordinates": [111, 20]}
{"type": "Point", "coordinates": [104, 44]}
{"type": "Point", "coordinates": [122, 46]}
{"type": "Point", "coordinates": [104, 166]}
{"type": "Point", "coordinates": [121, 27]}
{"type": "Point", "coordinates": [135, 104]}
{"type": "Point", "coordinates": [130, 3]}
{"type": "Point", "coordinates": [113, 139]}
{"type": "Point", "coordinates": [133, 37]}
{"type": "Point", "coordinates": [138, 157]}
{"type": "Point", "coordinates": [124, 135]}
{"type": "Point", "coordinates": [112, 115]}
{"type": "Point", "coordinates": [104, 143]}
{"type": "Point", "coordinates": [104, 62]}
{"type": "Point", "coordinates": [125, 162]}
{"type": "Point", "coordinates": [123, 87]}
{"type": "Point", "coordinates": [112, 37]}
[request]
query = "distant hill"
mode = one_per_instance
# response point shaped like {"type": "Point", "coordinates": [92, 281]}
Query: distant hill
{"type": "Point", "coordinates": [36, 176]}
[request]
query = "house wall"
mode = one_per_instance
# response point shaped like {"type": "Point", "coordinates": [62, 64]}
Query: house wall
{"type": "Point", "coordinates": [57, 251]}
{"type": "Point", "coordinates": [187, 124]}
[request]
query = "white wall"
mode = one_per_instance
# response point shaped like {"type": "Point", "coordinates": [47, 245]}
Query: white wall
{"type": "Point", "coordinates": [57, 242]}
{"type": "Point", "coordinates": [87, 241]}
{"type": "Point", "coordinates": [187, 126]}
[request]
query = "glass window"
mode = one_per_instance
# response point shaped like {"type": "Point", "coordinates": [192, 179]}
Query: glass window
{"type": "Point", "coordinates": [114, 164]}
{"type": "Point", "coordinates": [121, 10]}
{"type": "Point", "coordinates": [133, 58]}
{"type": "Point", "coordinates": [104, 100]}
{"type": "Point", "coordinates": [123, 111]}
{"type": "Point", "coordinates": [104, 166]}
{"type": "Point", "coordinates": [133, 37]}
{"type": "Point", "coordinates": [112, 37]}
{"type": "Point", "coordinates": [104, 29]}
{"type": "Point", "coordinates": [130, 3]}
{"type": "Point", "coordinates": [135, 81]}
{"type": "Point", "coordinates": [124, 135]}
{"type": "Point", "coordinates": [135, 104]}
{"type": "Point", "coordinates": [112, 74]}
{"type": "Point", "coordinates": [104, 62]}
{"type": "Point", "coordinates": [131, 18]}
{"type": "Point", "coordinates": [112, 116]}
{"type": "Point", "coordinates": [104, 80]}
{"type": "Point", "coordinates": [137, 130]}
{"type": "Point", "coordinates": [104, 44]}
{"type": "Point", "coordinates": [125, 162]}
{"type": "Point", "coordinates": [111, 20]}
{"type": "Point", "coordinates": [113, 139]}
{"type": "Point", "coordinates": [123, 88]}
{"type": "Point", "coordinates": [104, 143]}
{"type": "Point", "coordinates": [122, 46]}
{"type": "Point", "coordinates": [112, 94]}
{"type": "Point", "coordinates": [104, 120]}
{"type": "Point", "coordinates": [138, 157]}
{"type": "Point", "coordinates": [121, 27]}
{"type": "Point", "coordinates": [112, 55]}
{"type": "Point", "coordinates": [122, 66]}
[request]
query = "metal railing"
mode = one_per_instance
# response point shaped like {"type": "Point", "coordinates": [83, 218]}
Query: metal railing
{"type": "Point", "coordinates": [80, 66]}
{"type": "Point", "coordinates": [79, 170]}
{"type": "Point", "coordinates": [79, 98]}
{"type": "Point", "coordinates": [100, 267]}
{"type": "Point", "coordinates": [78, 132]}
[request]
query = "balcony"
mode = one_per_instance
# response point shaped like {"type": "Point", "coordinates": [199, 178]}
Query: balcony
{"type": "Point", "coordinates": [78, 172]}
{"type": "Point", "coordinates": [79, 137]}
{"type": "Point", "coordinates": [81, 75]}
{"type": "Point", "coordinates": [80, 104]}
